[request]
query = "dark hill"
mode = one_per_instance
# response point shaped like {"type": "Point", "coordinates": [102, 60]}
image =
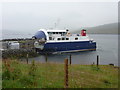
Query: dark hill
{"type": "Point", "coordinates": [102, 29]}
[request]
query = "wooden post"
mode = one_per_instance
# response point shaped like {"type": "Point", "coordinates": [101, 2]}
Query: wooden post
{"type": "Point", "coordinates": [93, 63]}
{"type": "Point", "coordinates": [46, 57]}
{"type": "Point", "coordinates": [27, 58]}
{"type": "Point", "coordinates": [70, 59]}
{"type": "Point", "coordinates": [66, 73]}
{"type": "Point", "coordinates": [97, 60]}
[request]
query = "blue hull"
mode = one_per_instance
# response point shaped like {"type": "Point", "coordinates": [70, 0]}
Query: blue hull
{"type": "Point", "coordinates": [68, 46]}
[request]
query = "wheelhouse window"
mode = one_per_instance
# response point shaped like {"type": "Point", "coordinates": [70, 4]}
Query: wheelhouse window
{"type": "Point", "coordinates": [60, 32]}
{"type": "Point", "coordinates": [63, 33]}
{"type": "Point", "coordinates": [76, 38]}
{"type": "Point", "coordinates": [50, 33]}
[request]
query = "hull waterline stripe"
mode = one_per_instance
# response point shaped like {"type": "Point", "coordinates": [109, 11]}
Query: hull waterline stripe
{"type": "Point", "coordinates": [79, 50]}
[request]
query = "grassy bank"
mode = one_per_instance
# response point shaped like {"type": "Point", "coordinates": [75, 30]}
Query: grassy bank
{"type": "Point", "coordinates": [51, 75]}
{"type": "Point", "coordinates": [0, 74]}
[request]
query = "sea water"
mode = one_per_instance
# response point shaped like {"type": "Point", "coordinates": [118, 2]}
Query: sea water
{"type": "Point", "coordinates": [107, 49]}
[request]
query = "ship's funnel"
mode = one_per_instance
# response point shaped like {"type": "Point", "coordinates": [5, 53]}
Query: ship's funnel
{"type": "Point", "coordinates": [83, 32]}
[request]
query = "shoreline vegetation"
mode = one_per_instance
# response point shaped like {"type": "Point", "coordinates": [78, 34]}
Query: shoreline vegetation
{"type": "Point", "coordinates": [18, 74]}
{"type": "Point", "coordinates": [0, 74]}
{"type": "Point", "coordinates": [18, 53]}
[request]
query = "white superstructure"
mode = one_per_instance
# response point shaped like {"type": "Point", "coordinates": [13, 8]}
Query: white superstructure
{"type": "Point", "coordinates": [63, 36]}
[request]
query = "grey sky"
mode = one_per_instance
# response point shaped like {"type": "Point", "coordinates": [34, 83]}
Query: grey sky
{"type": "Point", "coordinates": [30, 17]}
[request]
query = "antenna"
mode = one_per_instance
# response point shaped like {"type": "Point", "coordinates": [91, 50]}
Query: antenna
{"type": "Point", "coordinates": [55, 25]}
{"type": "Point", "coordinates": [58, 21]}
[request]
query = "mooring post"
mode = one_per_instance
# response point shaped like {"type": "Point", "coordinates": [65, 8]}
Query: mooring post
{"type": "Point", "coordinates": [70, 59]}
{"type": "Point", "coordinates": [27, 58]}
{"type": "Point", "coordinates": [66, 73]}
{"type": "Point", "coordinates": [97, 60]}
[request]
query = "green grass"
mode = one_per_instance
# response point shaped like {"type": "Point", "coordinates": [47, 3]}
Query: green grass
{"type": "Point", "coordinates": [0, 74]}
{"type": "Point", "coordinates": [51, 75]}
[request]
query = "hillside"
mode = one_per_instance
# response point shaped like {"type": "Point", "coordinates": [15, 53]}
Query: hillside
{"type": "Point", "coordinates": [102, 29]}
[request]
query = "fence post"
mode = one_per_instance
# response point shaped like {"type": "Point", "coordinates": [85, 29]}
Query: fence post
{"type": "Point", "coordinates": [70, 59]}
{"type": "Point", "coordinates": [97, 60]}
{"type": "Point", "coordinates": [66, 73]}
{"type": "Point", "coordinates": [27, 58]}
{"type": "Point", "coordinates": [46, 57]}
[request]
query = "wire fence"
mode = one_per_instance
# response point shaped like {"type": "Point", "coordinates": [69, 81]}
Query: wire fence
{"type": "Point", "coordinates": [55, 75]}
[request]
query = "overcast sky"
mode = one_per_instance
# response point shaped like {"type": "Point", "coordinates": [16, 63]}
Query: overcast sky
{"type": "Point", "coordinates": [29, 17]}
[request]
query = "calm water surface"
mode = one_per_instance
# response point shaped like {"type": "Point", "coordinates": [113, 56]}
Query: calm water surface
{"type": "Point", "coordinates": [107, 49]}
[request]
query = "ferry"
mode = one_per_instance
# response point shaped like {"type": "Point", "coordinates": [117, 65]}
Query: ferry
{"type": "Point", "coordinates": [58, 41]}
